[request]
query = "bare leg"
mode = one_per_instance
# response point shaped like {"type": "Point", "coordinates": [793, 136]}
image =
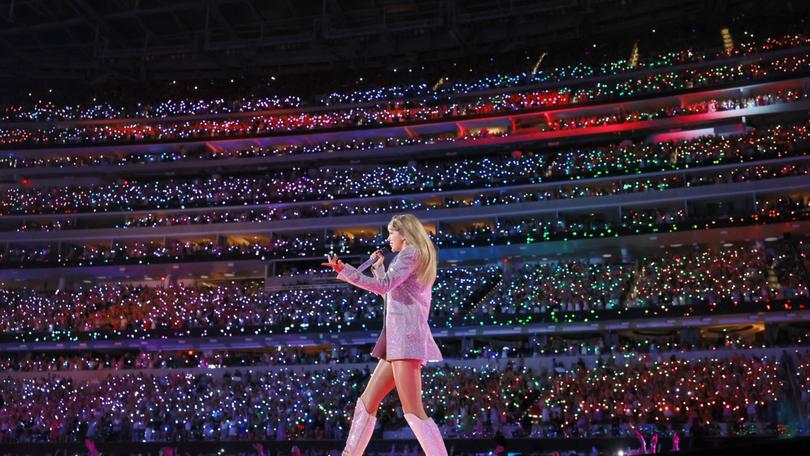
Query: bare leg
{"type": "Point", "coordinates": [365, 411]}
{"type": "Point", "coordinates": [408, 379]}
{"type": "Point", "coordinates": [379, 385]}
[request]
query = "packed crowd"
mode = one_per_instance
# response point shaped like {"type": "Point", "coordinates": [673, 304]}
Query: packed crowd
{"type": "Point", "coordinates": [403, 113]}
{"type": "Point", "coordinates": [724, 397]}
{"type": "Point", "coordinates": [329, 182]}
{"type": "Point", "coordinates": [49, 111]}
{"type": "Point", "coordinates": [727, 395]}
{"type": "Point", "coordinates": [679, 280]}
{"type": "Point", "coordinates": [522, 348]}
{"type": "Point", "coordinates": [705, 278]}
{"type": "Point", "coordinates": [734, 273]}
{"type": "Point", "coordinates": [501, 231]}
{"type": "Point", "coordinates": [634, 220]}
{"type": "Point", "coordinates": [572, 286]}
{"type": "Point", "coordinates": [774, 142]}
{"type": "Point", "coordinates": [131, 310]}
{"type": "Point", "coordinates": [182, 359]}
{"type": "Point", "coordinates": [734, 396]}
{"type": "Point", "coordinates": [803, 378]}
{"type": "Point", "coordinates": [124, 309]}
{"type": "Point", "coordinates": [699, 107]}
{"type": "Point", "coordinates": [186, 153]}
{"type": "Point", "coordinates": [596, 344]}
{"type": "Point", "coordinates": [193, 103]}
{"type": "Point", "coordinates": [172, 250]}
{"type": "Point", "coordinates": [12, 160]}
{"type": "Point", "coordinates": [571, 73]}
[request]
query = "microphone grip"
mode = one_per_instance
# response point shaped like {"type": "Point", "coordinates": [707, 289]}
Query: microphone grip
{"type": "Point", "coordinates": [366, 264]}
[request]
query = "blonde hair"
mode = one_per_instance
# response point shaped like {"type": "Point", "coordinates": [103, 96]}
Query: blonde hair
{"type": "Point", "coordinates": [415, 234]}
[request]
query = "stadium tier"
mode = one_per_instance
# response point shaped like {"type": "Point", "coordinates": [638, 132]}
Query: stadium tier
{"type": "Point", "coordinates": [619, 221]}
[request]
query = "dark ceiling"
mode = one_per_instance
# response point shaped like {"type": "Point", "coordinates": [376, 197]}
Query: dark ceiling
{"type": "Point", "coordinates": [96, 41]}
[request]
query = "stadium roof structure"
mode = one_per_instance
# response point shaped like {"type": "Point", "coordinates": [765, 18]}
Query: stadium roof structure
{"type": "Point", "coordinates": [138, 40]}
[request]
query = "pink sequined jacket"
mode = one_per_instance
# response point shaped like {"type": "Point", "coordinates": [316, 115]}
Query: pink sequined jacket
{"type": "Point", "coordinates": [405, 333]}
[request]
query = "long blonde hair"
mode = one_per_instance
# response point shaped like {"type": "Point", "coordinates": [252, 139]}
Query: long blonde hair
{"type": "Point", "coordinates": [415, 234]}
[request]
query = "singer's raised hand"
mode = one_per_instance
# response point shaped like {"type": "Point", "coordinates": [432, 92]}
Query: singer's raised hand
{"type": "Point", "coordinates": [334, 263]}
{"type": "Point", "coordinates": [378, 258]}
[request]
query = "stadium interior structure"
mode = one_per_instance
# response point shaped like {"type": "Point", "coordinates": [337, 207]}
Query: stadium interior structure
{"type": "Point", "coordinates": [619, 192]}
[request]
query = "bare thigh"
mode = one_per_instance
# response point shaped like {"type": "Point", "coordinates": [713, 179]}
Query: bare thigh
{"type": "Point", "coordinates": [408, 379]}
{"type": "Point", "coordinates": [379, 385]}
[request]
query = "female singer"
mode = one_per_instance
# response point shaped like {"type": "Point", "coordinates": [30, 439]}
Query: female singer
{"type": "Point", "coordinates": [405, 343]}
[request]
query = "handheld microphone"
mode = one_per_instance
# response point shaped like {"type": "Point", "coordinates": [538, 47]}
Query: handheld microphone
{"type": "Point", "coordinates": [366, 264]}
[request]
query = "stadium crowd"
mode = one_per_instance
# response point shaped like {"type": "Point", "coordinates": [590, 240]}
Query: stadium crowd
{"type": "Point", "coordinates": [185, 101]}
{"type": "Point", "coordinates": [407, 113]}
{"type": "Point", "coordinates": [326, 183]}
{"type": "Point", "coordinates": [680, 280]}
{"type": "Point", "coordinates": [708, 397]}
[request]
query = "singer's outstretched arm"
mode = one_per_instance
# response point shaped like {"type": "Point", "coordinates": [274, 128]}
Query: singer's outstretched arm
{"type": "Point", "coordinates": [378, 270]}
{"type": "Point", "coordinates": [402, 267]}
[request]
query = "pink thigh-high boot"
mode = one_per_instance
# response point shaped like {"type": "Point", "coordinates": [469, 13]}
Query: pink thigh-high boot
{"type": "Point", "coordinates": [360, 432]}
{"type": "Point", "coordinates": [428, 435]}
